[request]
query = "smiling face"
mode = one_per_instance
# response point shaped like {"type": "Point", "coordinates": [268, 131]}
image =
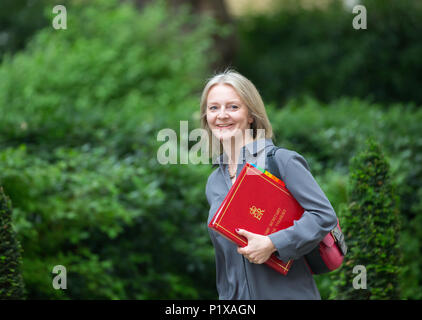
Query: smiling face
{"type": "Point", "coordinates": [227, 115]}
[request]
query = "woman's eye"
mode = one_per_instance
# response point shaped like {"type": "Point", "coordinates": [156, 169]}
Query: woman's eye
{"type": "Point", "coordinates": [212, 108]}
{"type": "Point", "coordinates": [234, 107]}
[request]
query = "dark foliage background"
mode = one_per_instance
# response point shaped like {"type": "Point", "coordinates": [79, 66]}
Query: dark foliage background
{"type": "Point", "coordinates": [317, 52]}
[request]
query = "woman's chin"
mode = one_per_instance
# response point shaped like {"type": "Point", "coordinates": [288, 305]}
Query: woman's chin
{"type": "Point", "coordinates": [228, 135]}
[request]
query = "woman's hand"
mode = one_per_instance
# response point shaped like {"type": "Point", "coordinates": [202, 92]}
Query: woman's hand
{"type": "Point", "coordinates": [259, 247]}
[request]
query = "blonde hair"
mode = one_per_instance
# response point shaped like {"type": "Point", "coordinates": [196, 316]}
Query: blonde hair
{"type": "Point", "coordinates": [250, 97]}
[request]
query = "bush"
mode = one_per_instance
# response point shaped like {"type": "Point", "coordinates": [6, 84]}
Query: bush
{"type": "Point", "coordinates": [328, 135]}
{"type": "Point", "coordinates": [11, 281]}
{"type": "Point", "coordinates": [20, 20]}
{"type": "Point", "coordinates": [81, 109]}
{"type": "Point", "coordinates": [372, 226]}
{"type": "Point", "coordinates": [317, 52]}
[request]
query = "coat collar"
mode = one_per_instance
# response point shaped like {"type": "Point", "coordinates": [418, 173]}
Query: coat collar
{"type": "Point", "coordinates": [251, 149]}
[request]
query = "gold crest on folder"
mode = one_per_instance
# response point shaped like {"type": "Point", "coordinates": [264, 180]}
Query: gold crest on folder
{"type": "Point", "coordinates": [256, 212]}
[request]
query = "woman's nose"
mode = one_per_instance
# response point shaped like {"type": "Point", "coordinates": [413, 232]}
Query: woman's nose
{"type": "Point", "coordinates": [222, 114]}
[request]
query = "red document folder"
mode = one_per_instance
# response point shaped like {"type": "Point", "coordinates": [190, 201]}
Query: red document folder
{"type": "Point", "coordinates": [260, 203]}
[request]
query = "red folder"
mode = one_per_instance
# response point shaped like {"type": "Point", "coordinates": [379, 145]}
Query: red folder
{"type": "Point", "coordinates": [260, 203]}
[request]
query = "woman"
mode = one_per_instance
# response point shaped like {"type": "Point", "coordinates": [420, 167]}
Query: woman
{"type": "Point", "coordinates": [233, 113]}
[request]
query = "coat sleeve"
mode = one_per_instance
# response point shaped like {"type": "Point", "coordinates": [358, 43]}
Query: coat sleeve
{"type": "Point", "coordinates": [319, 216]}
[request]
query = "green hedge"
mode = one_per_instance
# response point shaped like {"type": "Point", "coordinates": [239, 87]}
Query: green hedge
{"type": "Point", "coordinates": [20, 20]}
{"type": "Point", "coordinates": [372, 227]}
{"type": "Point", "coordinates": [11, 281]}
{"type": "Point", "coordinates": [329, 135]}
{"type": "Point", "coordinates": [81, 109]}
{"type": "Point", "coordinates": [317, 52]}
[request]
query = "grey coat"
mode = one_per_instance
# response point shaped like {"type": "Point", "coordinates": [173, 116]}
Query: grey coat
{"type": "Point", "coordinates": [237, 278]}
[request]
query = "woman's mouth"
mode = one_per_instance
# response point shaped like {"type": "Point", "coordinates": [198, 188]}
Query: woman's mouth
{"type": "Point", "coordinates": [225, 126]}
